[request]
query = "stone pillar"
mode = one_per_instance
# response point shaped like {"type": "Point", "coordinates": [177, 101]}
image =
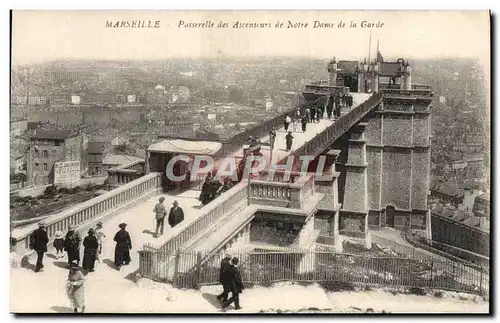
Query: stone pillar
{"type": "Point", "coordinates": [332, 70]}
{"type": "Point", "coordinates": [356, 185]}
{"type": "Point", "coordinates": [331, 158]}
{"type": "Point", "coordinates": [146, 163]}
{"type": "Point", "coordinates": [374, 75]}
{"type": "Point", "coordinates": [362, 70]}
{"type": "Point", "coordinates": [406, 84]}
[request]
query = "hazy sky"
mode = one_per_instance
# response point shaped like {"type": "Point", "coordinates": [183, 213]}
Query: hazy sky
{"type": "Point", "coordinates": [50, 35]}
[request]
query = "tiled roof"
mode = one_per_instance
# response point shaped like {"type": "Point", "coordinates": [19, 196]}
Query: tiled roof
{"type": "Point", "coordinates": [119, 159]}
{"type": "Point", "coordinates": [56, 134]}
{"type": "Point", "coordinates": [96, 147]}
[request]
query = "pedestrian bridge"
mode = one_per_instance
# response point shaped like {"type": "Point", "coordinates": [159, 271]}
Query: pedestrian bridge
{"type": "Point", "coordinates": [224, 221]}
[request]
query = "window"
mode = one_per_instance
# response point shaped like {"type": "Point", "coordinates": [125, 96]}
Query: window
{"type": "Point", "coordinates": [45, 154]}
{"type": "Point", "coordinates": [44, 166]}
{"type": "Point", "coordinates": [36, 166]}
{"type": "Point", "coordinates": [57, 143]}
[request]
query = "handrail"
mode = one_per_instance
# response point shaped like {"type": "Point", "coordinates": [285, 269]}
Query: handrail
{"type": "Point", "coordinates": [82, 212]}
{"type": "Point", "coordinates": [339, 127]}
{"type": "Point", "coordinates": [213, 211]}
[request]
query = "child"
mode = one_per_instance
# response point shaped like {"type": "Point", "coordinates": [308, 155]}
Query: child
{"type": "Point", "coordinates": [59, 244]}
{"type": "Point", "coordinates": [100, 238]}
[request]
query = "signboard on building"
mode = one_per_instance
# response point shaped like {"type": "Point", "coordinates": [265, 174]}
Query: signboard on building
{"type": "Point", "coordinates": [131, 99]}
{"type": "Point", "coordinates": [66, 172]}
{"type": "Point", "coordinates": [75, 99]}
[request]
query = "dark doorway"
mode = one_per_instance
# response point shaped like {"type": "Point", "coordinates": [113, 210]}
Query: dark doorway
{"type": "Point", "coordinates": [389, 216]}
{"type": "Point", "coordinates": [351, 81]}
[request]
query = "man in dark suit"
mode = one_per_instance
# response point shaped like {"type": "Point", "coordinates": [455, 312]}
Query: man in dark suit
{"type": "Point", "coordinates": [223, 278]}
{"type": "Point", "coordinates": [39, 240]}
{"type": "Point", "coordinates": [176, 215]}
{"type": "Point", "coordinates": [236, 286]}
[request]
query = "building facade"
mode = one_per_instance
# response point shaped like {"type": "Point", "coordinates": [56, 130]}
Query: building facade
{"type": "Point", "coordinates": [48, 147]}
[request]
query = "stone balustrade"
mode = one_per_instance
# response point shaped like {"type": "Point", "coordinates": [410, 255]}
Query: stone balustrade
{"type": "Point", "coordinates": [325, 138]}
{"type": "Point", "coordinates": [282, 194]}
{"type": "Point", "coordinates": [220, 207]}
{"type": "Point", "coordinates": [420, 92]}
{"type": "Point", "coordinates": [91, 209]}
{"type": "Point", "coordinates": [118, 177]}
{"type": "Point", "coordinates": [325, 89]}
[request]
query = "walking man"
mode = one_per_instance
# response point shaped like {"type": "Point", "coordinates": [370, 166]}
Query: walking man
{"type": "Point", "coordinates": [223, 279]}
{"type": "Point", "coordinates": [289, 139]}
{"type": "Point", "coordinates": [286, 123]}
{"type": "Point", "coordinates": [236, 287]}
{"type": "Point", "coordinates": [272, 137]}
{"type": "Point", "coordinates": [304, 123]}
{"type": "Point", "coordinates": [39, 240]}
{"type": "Point", "coordinates": [160, 213]}
{"type": "Point", "coordinates": [176, 215]}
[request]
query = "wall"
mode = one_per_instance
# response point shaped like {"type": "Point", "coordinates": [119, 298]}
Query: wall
{"type": "Point", "coordinates": [278, 233]}
{"type": "Point", "coordinates": [459, 235]}
{"type": "Point", "coordinates": [398, 154]}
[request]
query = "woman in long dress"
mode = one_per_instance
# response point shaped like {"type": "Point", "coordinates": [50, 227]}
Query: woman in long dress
{"type": "Point", "coordinates": [91, 246]}
{"type": "Point", "coordinates": [72, 244]}
{"type": "Point", "coordinates": [75, 288]}
{"type": "Point", "coordinates": [123, 246]}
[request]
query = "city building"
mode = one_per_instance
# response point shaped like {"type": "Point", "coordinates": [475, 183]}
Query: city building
{"type": "Point", "coordinates": [48, 147]}
{"type": "Point", "coordinates": [95, 156]}
{"type": "Point", "coordinates": [448, 194]}
{"type": "Point", "coordinates": [111, 161]}
{"type": "Point", "coordinates": [16, 162]}
{"type": "Point", "coordinates": [481, 206]}
{"type": "Point", "coordinates": [18, 127]}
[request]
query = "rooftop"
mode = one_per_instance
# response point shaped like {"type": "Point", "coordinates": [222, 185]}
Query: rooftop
{"type": "Point", "coordinates": [96, 147]}
{"type": "Point", "coordinates": [119, 159]}
{"type": "Point", "coordinates": [56, 134]}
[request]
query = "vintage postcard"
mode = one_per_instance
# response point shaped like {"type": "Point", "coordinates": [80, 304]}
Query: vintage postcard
{"type": "Point", "coordinates": [241, 162]}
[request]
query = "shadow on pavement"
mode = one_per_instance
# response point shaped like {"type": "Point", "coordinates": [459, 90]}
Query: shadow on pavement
{"type": "Point", "coordinates": [212, 299]}
{"type": "Point", "coordinates": [61, 309]}
{"type": "Point", "coordinates": [61, 264]}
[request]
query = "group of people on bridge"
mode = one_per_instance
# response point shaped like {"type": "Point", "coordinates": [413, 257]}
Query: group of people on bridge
{"type": "Point", "coordinates": [71, 243]}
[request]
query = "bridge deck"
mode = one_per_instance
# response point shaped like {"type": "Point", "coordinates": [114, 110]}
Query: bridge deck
{"type": "Point", "coordinates": [141, 226]}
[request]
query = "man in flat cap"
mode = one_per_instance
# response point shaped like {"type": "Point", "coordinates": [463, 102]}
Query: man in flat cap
{"type": "Point", "coordinates": [38, 242]}
{"type": "Point", "coordinates": [160, 213]}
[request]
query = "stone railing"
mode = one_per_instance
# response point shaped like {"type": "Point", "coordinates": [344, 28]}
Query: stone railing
{"type": "Point", "coordinates": [86, 211]}
{"type": "Point", "coordinates": [325, 89]}
{"type": "Point", "coordinates": [426, 93]}
{"type": "Point", "coordinates": [118, 177]}
{"type": "Point", "coordinates": [413, 86]}
{"type": "Point", "coordinates": [282, 194]}
{"type": "Point", "coordinates": [235, 142]}
{"type": "Point", "coordinates": [211, 213]}
{"type": "Point", "coordinates": [125, 173]}
{"type": "Point", "coordinates": [319, 143]}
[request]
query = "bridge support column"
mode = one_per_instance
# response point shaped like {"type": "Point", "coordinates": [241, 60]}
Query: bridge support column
{"type": "Point", "coordinates": [333, 231]}
{"type": "Point", "coordinates": [354, 212]}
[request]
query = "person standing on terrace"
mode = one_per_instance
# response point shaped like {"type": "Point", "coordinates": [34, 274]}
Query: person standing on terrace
{"type": "Point", "coordinates": [272, 137]}
{"type": "Point", "coordinates": [72, 244]}
{"type": "Point", "coordinates": [123, 246]}
{"type": "Point", "coordinates": [160, 213]}
{"type": "Point", "coordinates": [289, 140]}
{"type": "Point", "coordinates": [39, 240]}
